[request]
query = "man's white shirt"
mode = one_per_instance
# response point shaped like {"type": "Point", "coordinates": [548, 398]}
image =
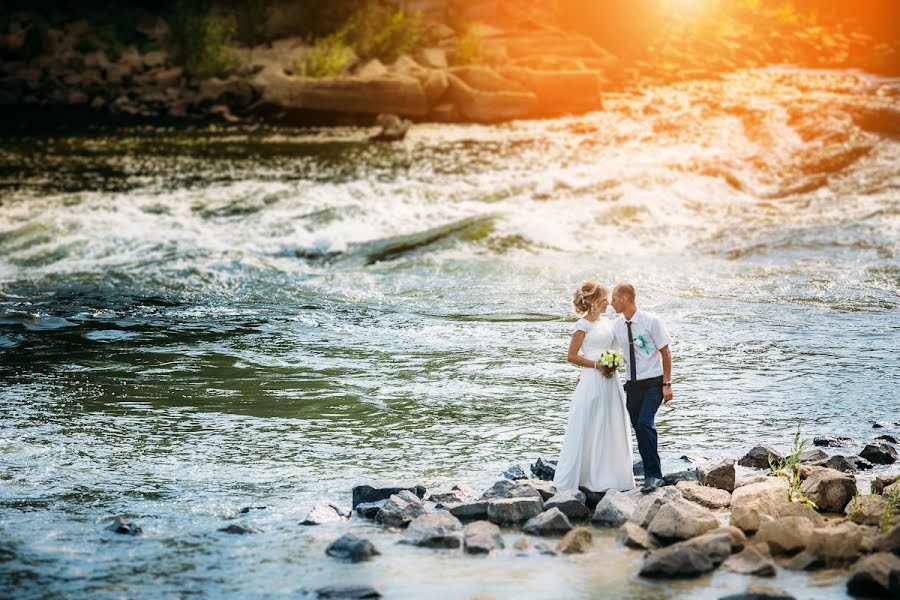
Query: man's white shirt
{"type": "Point", "coordinates": [650, 336]}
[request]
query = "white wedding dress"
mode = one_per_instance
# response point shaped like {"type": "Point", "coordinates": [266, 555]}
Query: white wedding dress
{"type": "Point", "coordinates": [596, 451]}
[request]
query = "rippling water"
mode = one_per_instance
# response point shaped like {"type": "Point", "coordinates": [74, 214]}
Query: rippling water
{"type": "Point", "coordinates": [196, 320]}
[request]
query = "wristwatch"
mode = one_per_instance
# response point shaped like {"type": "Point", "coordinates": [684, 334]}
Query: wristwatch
{"type": "Point", "coordinates": [667, 384]}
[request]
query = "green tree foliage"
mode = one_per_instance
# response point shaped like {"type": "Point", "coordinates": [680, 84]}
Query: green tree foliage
{"type": "Point", "coordinates": [201, 40]}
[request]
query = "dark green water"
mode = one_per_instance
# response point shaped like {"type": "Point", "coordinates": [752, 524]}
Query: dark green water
{"type": "Point", "coordinates": [197, 320]}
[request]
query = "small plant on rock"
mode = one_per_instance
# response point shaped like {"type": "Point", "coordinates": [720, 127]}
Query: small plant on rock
{"type": "Point", "coordinates": [788, 468]}
{"type": "Point", "coordinates": [892, 506]}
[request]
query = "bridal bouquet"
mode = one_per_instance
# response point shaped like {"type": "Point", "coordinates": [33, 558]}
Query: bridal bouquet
{"type": "Point", "coordinates": [609, 361]}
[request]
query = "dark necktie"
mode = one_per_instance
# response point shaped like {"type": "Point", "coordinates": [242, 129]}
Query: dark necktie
{"type": "Point", "coordinates": [632, 365]}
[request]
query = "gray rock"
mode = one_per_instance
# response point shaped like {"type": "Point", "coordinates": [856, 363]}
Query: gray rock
{"type": "Point", "coordinates": [470, 510]}
{"type": "Point", "coordinates": [591, 498]}
{"type": "Point", "coordinates": [347, 592]}
{"type": "Point", "coordinates": [514, 473]}
{"type": "Point", "coordinates": [513, 511]}
{"type": "Point", "coordinates": [689, 558]}
{"type": "Point", "coordinates": [785, 535]}
{"type": "Point", "coordinates": [511, 489]}
{"type": "Point", "coordinates": [709, 497]}
{"type": "Point", "coordinates": [400, 509]}
{"type": "Point", "coordinates": [321, 514]}
{"type": "Point", "coordinates": [756, 591]}
{"type": "Point", "coordinates": [435, 530]}
{"type": "Point", "coordinates": [719, 475]}
{"type": "Point", "coordinates": [838, 463]}
{"type": "Point", "coordinates": [686, 475]}
{"type": "Point", "coordinates": [124, 527]}
{"type": "Point", "coordinates": [862, 464]}
{"type": "Point", "coordinates": [635, 536]}
{"type": "Point", "coordinates": [550, 522]}
{"type": "Point", "coordinates": [882, 481]}
{"type": "Point", "coordinates": [869, 510]}
{"type": "Point", "coordinates": [681, 520]}
{"type": "Point", "coordinates": [879, 453]}
{"type": "Point", "coordinates": [482, 537]}
{"type": "Point", "coordinates": [352, 548]}
{"type": "Point", "coordinates": [813, 455]}
{"type": "Point", "coordinates": [750, 503]}
{"type": "Point", "coordinates": [887, 438]}
{"type": "Point", "coordinates": [752, 560]}
{"type": "Point", "coordinates": [871, 576]}
{"type": "Point", "coordinates": [373, 492]}
{"type": "Point", "coordinates": [544, 469]}
{"type": "Point", "coordinates": [368, 510]}
{"type": "Point", "coordinates": [458, 494]}
{"type": "Point", "coordinates": [831, 490]}
{"type": "Point", "coordinates": [571, 503]}
{"type": "Point", "coordinates": [833, 441]}
{"type": "Point", "coordinates": [649, 505]}
{"type": "Point", "coordinates": [239, 529]}
{"type": "Point", "coordinates": [759, 457]}
{"type": "Point", "coordinates": [889, 541]}
{"type": "Point", "coordinates": [247, 509]}
{"type": "Point", "coordinates": [615, 508]}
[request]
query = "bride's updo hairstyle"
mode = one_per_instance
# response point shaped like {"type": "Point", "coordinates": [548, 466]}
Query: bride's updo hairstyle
{"type": "Point", "coordinates": [588, 294]}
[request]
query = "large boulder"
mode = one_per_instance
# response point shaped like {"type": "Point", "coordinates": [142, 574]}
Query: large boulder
{"type": "Point", "coordinates": [709, 497]}
{"type": "Point", "coordinates": [506, 488]}
{"type": "Point", "coordinates": [681, 520]}
{"type": "Point", "coordinates": [689, 558]}
{"type": "Point", "coordinates": [870, 510]}
{"type": "Point", "coordinates": [513, 511]}
{"type": "Point", "coordinates": [482, 537]}
{"type": "Point", "coordinates": [785, 535]}
{"type": "Point", "coordinates": [635, 536]}
{"type": "Point", "coordinates": [571, 503]}
{"type": "Point", "coordinates": [649, 505]}
{"type": "Point", "coordinates": [836, 545]}
{"type": "Point", "coordinates": [719, 475]}
{"type": "Point", "coordinates": [352, 548]}
{"type": "Point", "coordinates": [400, 509]}
{"type": "Point", "coordinates": [560, 91]}
{"type": "Point", "coordinates": [838, 462]}
{"type": "Point", "coordinates": [871, 576]}
{"type": "Point", "coordinates": [750, 503]}
{"type": "Point", "coordinates": [759, 457]}
{"type": "Point", "coordinates": [550, 522]}
{"type": "Point", "coordinates": [398, 94]}
{"type": "Point", "coordinates": [615, 508]}
{"type": "Point", "coordinates": [752, 560]}
{"type": "Point", "coordinates": [879, 453]}
{"type": "Point", "coordinates": [831, 490]}
{"type": "Point", "coordinates": [490, 106]}
{"type": "Point", "coordinates": [374, 491]}
{"type": "Point", "coordinates": [469, 510]}
{"type": "Point", "coordinates": [435, 530]}
{"type": "Point", "coordinates": [679, 476]}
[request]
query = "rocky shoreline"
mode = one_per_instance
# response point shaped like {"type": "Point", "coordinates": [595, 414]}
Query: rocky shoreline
{"type": "Point", "coordinates": [533, 68]}
{"type": "Point", "coordinates": [802, 511]}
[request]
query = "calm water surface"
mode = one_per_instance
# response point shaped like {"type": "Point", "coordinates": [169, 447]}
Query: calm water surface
{"type": "Point", "coordinates": [193, 321]}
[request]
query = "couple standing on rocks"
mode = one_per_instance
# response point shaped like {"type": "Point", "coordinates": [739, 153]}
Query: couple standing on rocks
{"type": "Point", "coordinates": [596, 451]}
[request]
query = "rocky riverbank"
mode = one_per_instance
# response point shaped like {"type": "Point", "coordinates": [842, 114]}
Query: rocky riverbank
{"type": "Point", "coordinates": [756, 516]}
{"type": "Point", "coordinates": [529, 66]}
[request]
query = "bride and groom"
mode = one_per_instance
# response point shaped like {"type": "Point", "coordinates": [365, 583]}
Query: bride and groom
{"type": "Point", "coordinates": [596, 451]}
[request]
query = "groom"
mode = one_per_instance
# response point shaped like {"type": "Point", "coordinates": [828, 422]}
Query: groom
{"type": "Point", "coordinates": [649, 379]}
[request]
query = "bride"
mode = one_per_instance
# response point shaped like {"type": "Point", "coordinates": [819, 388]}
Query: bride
{"type": "Point", "coordinates": [596, 450]}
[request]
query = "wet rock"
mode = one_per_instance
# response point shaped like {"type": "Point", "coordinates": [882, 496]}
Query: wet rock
{"type": "Point", "coordinates": [833, 441]}
{"type": "Point", "coordinates": [756, 591]}
{"type": "Point", "coordinates": [785, 535]}
{"type": "Point", "coordinates": [542, 548]}
{"type": "Point", "coordinates": [838, 463]}
{"type": "Point", "coordinates": [239, 529]}
{"type": "Point", "coordinates": [576, 541]}
{"type": "Point", "coordinates": [830, 489]}
{"type": "Point", "coordinates": [470, 510]}
{"type": "Point", "coordinates": [635, 536]}
{"type": "Point", "coordinates": [481, 537]}
{"type": "Point", "coordinates": [458, 494]}
{"type": "Point", "coordinates": [879, 453]}
{"type": "Point", "coordinates": [752, 560]}
{"type": "Point", "coordinates": [521, 544]}
{"type": "Point", "coordinates": [393, 129]}
{"type": "Point", "coordinates": [649, 505]}
{"type": "Point", "coordinates": [347, 592]}
{"type": "Point", "coordinates": [514, 473]}
{"type": "Point", "coordinates": [709, 497]}
{"type": "Point", "coordinates": [571, 503]}
{"type": "Point", "coordinates": [887, 438]}
{"type": "Point", "coordinates": [511, 489]}
{"type": "Point", "coordinates": [544, 469]}
{"type": "Point", "coordinates": [247, 509]}
{"type": "Point", "coordinates": [882, 425]}
{"type": "Point", "coordinates": [372, 492]}
{"type": "Point", "coordinates": [435, 530]}
{"type": "Point", "coordinates": [882, 481]}
{"type": "Point", "coordinates": [124, 527]}
{"type": "Point", "coordinates": [719, 475]}
{"type": "Point", "coordinates": [686, 475]}
{"type": "Point", "coordinates": [352, 548]}
{"type": "Point", "coordinates": [759, 457]}
{"type": "Point", "coordinates": [323, 513]}
{"type": "Point", "coordinates": [368, 510]}
{"type": "Point", "coordinates": [512, 511]}
{"type": "Point", "coordinates": [550, 522]}
{"type": "Point", "coordinates": [862, 464]}
{"type": "Point", "coordinates": [681, 520]}
{"type": "Point", "coordinates": [400, 509]}
{"type": "Point", "coordinates": [615, 508]}
{"type": "Point", "coordinates": [871, 576]}
{"type": "Point", "coordinates": [812, 456]}
{"type": "Point", "coordinates": [751, 502]}
{"type": "Point", "coordinates": [688, 558]}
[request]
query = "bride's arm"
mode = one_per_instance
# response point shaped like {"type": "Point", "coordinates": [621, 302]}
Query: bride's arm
{"type": "Point", "coordinates": [574, 347]}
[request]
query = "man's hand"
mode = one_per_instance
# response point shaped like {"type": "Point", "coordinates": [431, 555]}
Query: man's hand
{"type": "Point", "coordinates": [667, 394]}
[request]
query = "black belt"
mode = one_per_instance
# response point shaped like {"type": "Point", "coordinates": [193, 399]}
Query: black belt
{"type": "Point", "coordinates": [645, 384]}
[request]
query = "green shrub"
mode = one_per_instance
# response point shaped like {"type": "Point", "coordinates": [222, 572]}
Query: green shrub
{"type": "Point", "coordinates": [201, 42]}
{"type": "Point", "coordinates": [788, 468]}
{"type": "Point", "coordinates": [328, 57]}
{"type": "Point", "coordinates": [383, 32]}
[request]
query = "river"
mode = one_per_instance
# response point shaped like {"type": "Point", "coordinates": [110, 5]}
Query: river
{"type": "Point", "coordinates": [198, 319]}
